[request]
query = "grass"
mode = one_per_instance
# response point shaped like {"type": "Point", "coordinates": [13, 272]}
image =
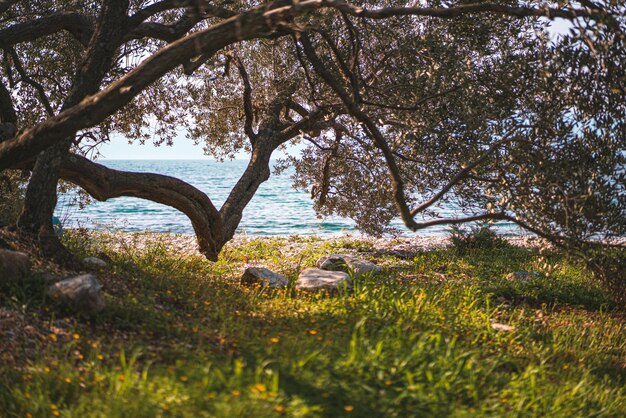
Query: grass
{"type": "Point", "coordinates": [181, 338]}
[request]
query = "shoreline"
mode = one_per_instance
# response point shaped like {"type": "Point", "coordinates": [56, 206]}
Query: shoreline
{"type": "Point", "coordinates": [187, 244]}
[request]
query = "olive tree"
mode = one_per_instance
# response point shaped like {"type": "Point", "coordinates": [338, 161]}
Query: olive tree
{"type": "Point", "coordinates": [404, 107]}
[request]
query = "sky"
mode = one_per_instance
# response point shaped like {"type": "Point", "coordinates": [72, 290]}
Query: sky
{"type": "Point", "coordinates": [184, 149]}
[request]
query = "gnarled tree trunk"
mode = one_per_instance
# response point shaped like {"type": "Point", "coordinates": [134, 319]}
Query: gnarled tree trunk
{"type": "Point", "coordinates": [41, 197]}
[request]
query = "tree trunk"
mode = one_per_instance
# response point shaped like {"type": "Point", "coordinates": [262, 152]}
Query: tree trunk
{"type": "Point", "coordinates": [40, 201]}
{"type": "Point", "coordinates": [41, 197]}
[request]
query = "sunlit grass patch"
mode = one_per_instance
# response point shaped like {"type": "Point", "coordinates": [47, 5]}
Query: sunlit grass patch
{"type": "Point", "coordinates": [181, 337]}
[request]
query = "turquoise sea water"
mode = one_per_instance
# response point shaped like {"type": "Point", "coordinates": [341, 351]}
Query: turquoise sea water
{"type": "Point", "coordinates": [276, 209]}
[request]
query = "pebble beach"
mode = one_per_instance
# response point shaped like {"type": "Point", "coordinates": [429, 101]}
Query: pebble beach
{"type": "Point", "coordinates": [186, 244]}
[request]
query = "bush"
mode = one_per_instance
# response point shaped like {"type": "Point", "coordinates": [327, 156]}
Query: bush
{"type": "Point", "coordinates": [479, 237]}
{"type": "Point", "coordinates": [608, 265]}
{"type": "Point", "coordinates": [11, 196]}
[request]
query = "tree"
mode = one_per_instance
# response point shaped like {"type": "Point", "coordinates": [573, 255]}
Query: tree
{"type": "Point", "coordinates": [403, 107]}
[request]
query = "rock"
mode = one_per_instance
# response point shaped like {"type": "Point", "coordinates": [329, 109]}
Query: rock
{"type": "Point", "coordinates": [333, 262]}
{"type": "Point", "coordinates": [14, 266]}
{"type": "Point", "coordinates": [94, 262]}
{"type": "Point", "coordinates": [523, 276]}
{"type": "Point", "coordinates": [264, 277]}
{"type": "Point", "coordinates": [496, 326]}
{"type": "Point", "coordinates": [344, 262]}
{"type": "Point", "coordinates": [83, 293]}
{"type": "Point", "coordinates": [312, 280]}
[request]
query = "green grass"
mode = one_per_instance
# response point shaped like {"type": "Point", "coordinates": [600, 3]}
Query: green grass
{"type": "Point", "coordinates": [181, 338]}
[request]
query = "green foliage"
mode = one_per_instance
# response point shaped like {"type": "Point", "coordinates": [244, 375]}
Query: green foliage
{"type": "Point", "coordinates": [403, 115]}
{"type": "Point", "coordinates": [609, 267]}
{"type": "Point", "coordinates": [11, 196]}
{"type": "Point", "coordinates": [465, 239]}
{"type": "Point", "coordinates": [182, 338]}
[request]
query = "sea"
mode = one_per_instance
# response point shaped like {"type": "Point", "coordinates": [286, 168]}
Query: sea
{"type": "Point", "coordinates": [277, 209]}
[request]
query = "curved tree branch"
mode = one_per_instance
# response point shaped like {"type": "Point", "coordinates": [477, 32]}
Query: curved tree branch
{"type": "Point", "coordinates": [105, 183]}
{"type": "Point", "coordinates": [453, 221]}
{"type": "Point", "coordinates": [368, 126]}
{"type": "Point", "coordinates": [462, 174]}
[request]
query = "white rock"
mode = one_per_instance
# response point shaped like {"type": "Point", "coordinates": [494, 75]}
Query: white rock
{"type": "Point", "coordinates": [345, 262]}
{"type": "Point", "coordinates": [312, 279]}
{"type": "Point", "coordinates": [333, 262]}
{"type": "Point", "coordinates": [83, 293]}
{"type": "Point", "coordinates": [360, 267]}
{"type": "Point", "coordinates": [264, 277]}
{"type": "Point", "coordinates": [523, 276]}
{"type": "Point", "coordinates": [496, 326]}
{"type": "Point", "coordinates": [94, 262]}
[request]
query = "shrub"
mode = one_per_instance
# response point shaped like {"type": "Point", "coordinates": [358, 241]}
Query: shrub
{"type": "Point", "coordinates": [464, 239]}
{"type": "Point", "coordinates": [608, 265]}
{"type": "Point", "coordinates": [11, 196]}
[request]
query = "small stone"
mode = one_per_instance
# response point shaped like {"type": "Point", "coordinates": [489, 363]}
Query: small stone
{"type": "Point", "coordinates": [94, 262]}
{"type": "Point", "coordinates": [496, 326]}
{"type": "Point", "coordinates": [360, 267]}
{"type": "Point", "coordinates": [83, 293]}
{"type": "Point", "coordinates": [344, 262]}
{"type": "Point", "coordinates": [312, 280]}
{"type": "Point", "coordinates": [523, 276]}
{"type": "Point", "coordinates": [264, 277]}
{"type": "Point", "coordinates": [14, 266]}
{"type": "Point", "coordinates": [333, 262]}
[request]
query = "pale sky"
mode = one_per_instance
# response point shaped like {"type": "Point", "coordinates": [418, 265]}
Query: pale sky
{"type": "Point", "coordinates": [183, 149]}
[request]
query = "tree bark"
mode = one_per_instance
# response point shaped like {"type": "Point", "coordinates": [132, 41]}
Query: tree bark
{"type": "Point", "coordinates": [41, 194]}
{"type": "Point", "coordinates": [257, 172]}
{"type": "Point", "coordinates": [104, 183]}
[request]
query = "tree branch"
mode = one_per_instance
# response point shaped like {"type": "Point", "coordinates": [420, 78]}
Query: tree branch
{"type": "Point", "coordinates": [247, 101]}
{"type": "Point", "coordinates": [453, 221]}
{"type": "Point", "coordinates": [80, 26]}
{"type": "Point", "coordinates": [104, 183]}
{"type": "Point", "coordinates": [7, 110]}
{"type": "Point", "coordinates": [472, 8]}
{"type": "Point", "coordinates": [462, 174]}
{"type": "Point", "coordinates": [369, 127]}
{"type": "Point", "coordinates": [307, 123]}
{"type": "Point", "coordinates": [156, 8]}
{"type": "Point", "coordinates": [196, 11]}
{"type": "Point", "coordinates": [41, 92]}
{"type": "Point", "coordinates": [256, 23]}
